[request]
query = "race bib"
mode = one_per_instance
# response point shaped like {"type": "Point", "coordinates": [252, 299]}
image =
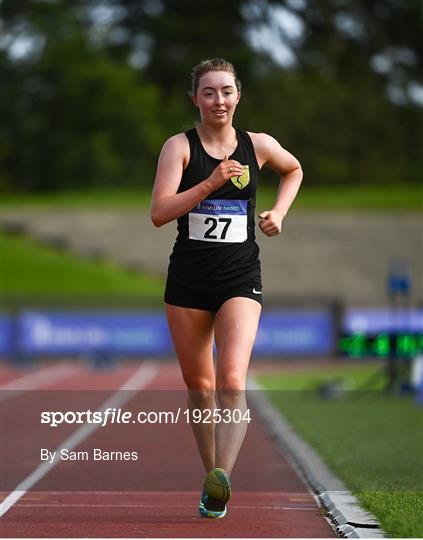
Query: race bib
{"type": "Point", "coordinates": [219, 220]}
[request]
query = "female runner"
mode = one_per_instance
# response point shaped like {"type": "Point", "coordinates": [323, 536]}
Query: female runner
{"type": "Point", "coordinates": [206, 179]}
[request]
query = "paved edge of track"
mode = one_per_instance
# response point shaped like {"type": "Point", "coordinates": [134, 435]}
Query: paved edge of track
{"type": "Point", "coordinates": [146, 372]}
{"type": "Point", "coordinates": [342, 509]}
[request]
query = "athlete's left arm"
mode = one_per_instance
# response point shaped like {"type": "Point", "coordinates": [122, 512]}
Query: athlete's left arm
{"type": "Point", "coordinates": [271, 154]}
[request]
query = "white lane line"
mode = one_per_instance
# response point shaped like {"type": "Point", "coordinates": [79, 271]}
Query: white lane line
{"type": "Point", "coordinates": [141, 378]}
{"type": "Point", "coordinates": [35, 380]}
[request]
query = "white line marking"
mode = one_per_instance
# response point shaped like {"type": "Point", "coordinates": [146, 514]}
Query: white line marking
{"type": "Point", "coordinates": [33, 381]}
{"type": "Point", "coordinates": [139, 380]}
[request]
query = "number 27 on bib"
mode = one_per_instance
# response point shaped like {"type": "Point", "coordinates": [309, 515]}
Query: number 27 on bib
{"type": "Point", "coordinates": [219, 220]}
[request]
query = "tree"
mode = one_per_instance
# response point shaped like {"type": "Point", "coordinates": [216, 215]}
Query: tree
{"type": "Point", "coordinates": [91, 89]}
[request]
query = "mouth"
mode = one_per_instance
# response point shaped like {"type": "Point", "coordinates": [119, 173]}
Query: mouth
{"type": "Point", "coordinates": [219, 112]}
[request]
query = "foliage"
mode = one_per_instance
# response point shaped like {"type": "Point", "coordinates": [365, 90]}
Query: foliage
{"type": "Point", "coordinates": [90, 90]}
{"type": "Point", "coordinates": [79, 119]}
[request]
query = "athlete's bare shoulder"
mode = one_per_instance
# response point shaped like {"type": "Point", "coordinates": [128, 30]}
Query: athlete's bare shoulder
{"type": "Point", "coordinates": [178, 139]}
{"type": "Point", "coordinates": [261, 139]}
{"type": "Point", "coordinates": [269, 152]}
{"type": "Point", "coordinates": [263, 144]}
{"type": "Point", "coordinates": [177, 147]}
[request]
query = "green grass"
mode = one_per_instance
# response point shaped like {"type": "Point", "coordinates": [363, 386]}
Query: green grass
{"type": "Point", "coordinates": [372, 441]}
{"type": "Point", "coordinates": [362, 198]}
{"type": "Point", "coordinates": [28, 268]}
{"type": "Point", "coordinates": [83, 199]}
{"type": "Point", "coordinates": [357, 198]}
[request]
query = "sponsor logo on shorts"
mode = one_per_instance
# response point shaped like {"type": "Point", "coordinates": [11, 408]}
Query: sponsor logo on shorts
{"type": "Point", "coordinates": [256, 292]}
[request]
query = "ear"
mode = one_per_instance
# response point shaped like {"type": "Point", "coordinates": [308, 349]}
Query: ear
{"type": "Point", "coordinates": [239, 97]}
{"type": "Point", "coordinates": [194, 100]}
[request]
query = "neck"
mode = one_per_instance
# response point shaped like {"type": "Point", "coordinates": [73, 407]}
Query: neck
{"type": "Point", "coordinates": [221, 133]}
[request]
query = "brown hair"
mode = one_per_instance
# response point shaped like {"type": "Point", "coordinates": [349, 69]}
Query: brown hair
{"type": "Point", "coordinates": [215, 64]}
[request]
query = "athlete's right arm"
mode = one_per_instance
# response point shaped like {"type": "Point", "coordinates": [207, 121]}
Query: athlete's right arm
{"type": "Point", "coordinates": [167, 204]}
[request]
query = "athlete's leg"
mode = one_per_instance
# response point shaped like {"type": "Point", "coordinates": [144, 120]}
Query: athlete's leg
{"type": "Point", "coordinates": [192, 334]}
{"type": "Point", "coordinates": [235, 331]}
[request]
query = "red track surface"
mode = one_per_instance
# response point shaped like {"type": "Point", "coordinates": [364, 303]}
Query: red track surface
{"type": "Point", "coordinates": [157, 495]}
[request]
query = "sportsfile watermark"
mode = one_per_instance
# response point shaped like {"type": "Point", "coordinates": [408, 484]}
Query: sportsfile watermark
{"type": "Point", "coordinates": [104, 440]}
{"type": "Point", "coordinates": [113, 415]}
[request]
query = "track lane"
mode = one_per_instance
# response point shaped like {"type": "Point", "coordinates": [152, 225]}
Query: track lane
{"type": "Point", "coordinates": [159, 497]}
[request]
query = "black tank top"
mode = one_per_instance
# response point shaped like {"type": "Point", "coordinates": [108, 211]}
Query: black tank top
{"type": "Point", "coordinates": [215, 247]}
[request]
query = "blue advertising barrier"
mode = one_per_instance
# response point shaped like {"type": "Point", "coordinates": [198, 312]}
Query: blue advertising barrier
{"type": "Point", "coordinates": [6, 336]}
{"type": "Point", "coordinates": [69, 333]}
{"type": "Point", "coordinates": [78, 333]}
{"type": "Point", "coordinates": [295, 333]}
{"type": "Point", "coordinates": [374, 321]}
{"type": "Point", "coordinates": [145, 333]}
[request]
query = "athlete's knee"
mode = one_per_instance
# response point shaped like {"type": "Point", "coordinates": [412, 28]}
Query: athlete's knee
{"type": "Point", "coordinates": [230, 381]}
{"type": "Point", "coordinates": [196, 383]}
{"type": "Point", "coordinates": [201, 395]}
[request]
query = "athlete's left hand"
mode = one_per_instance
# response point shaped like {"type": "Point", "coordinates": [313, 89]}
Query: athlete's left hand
{"type": "Point", "coordinates": [270, 222]}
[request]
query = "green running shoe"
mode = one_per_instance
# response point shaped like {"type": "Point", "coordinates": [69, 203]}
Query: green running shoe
{"type": "Point", "coordinates": [205, 512]}
{"type": "Point", "coordinates": [216, 493]}
{"type": "Point", "coordinates": [218, 485]}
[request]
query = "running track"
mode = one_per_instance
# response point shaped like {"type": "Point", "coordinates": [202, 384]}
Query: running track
{"type": "Point", "coordinates": [155, 496]}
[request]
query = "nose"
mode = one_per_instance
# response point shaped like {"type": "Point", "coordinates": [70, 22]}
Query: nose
{"type": "Point", "coordinates": [219, 98]}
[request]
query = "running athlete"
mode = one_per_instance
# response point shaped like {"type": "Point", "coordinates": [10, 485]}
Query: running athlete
{"type": "Point", "coordinates": [206, 180]}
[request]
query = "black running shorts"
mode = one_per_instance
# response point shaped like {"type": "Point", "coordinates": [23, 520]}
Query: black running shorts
{"type": "Point", "coordinates": [185, 296]}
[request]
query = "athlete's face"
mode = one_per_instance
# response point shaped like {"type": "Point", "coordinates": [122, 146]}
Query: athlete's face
{"type": "Point", "coordinates": [217, 97]}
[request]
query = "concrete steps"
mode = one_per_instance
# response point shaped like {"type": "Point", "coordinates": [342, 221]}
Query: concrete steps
{"type": "Point", "coordinates": [343, 255]}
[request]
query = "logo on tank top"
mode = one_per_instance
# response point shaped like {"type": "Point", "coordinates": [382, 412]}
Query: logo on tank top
{"type": "Point", "coordinates": [241, 181]}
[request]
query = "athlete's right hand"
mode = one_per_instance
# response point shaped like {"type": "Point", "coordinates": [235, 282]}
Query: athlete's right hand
{"type": "Point", "coordinates": [224, 171]}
